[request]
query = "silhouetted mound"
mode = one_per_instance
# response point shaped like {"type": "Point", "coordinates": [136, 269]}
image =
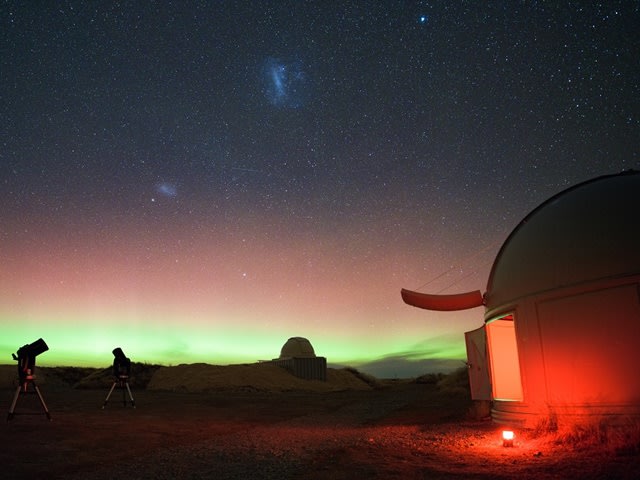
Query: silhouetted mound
{"type": "Point", "coordinates": [141, 374]}
{"type": "Point", "coordinates": [79, 377]}
{"type": "Point", "coordinates": [198, 377]}
{"type": "Point", "coordinates": [51, 376]}
{"type": "Point", "coordinates": [202, 377]}
{"type": "Point", "coordinates": [8, 375]}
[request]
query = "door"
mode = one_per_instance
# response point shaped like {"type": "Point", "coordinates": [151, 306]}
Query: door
{"type": "Point", "coordinates": [476, 341]}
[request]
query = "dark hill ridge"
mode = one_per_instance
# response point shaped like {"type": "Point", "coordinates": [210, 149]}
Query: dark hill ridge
{"type": "Point", "coordinates": [198, 377]}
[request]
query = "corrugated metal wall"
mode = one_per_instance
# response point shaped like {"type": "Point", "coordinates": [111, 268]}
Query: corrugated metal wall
{"type": "Point", "coordinates": [307, 368]}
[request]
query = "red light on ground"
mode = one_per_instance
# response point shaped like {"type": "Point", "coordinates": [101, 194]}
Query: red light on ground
{"type": "Point", "coordinates": [507, 438]}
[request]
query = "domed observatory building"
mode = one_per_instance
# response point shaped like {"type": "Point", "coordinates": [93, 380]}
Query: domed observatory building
{"type": "Point", "coordinates": [561, 333]}
{"type": "Point", "coordinates": [299, 358]}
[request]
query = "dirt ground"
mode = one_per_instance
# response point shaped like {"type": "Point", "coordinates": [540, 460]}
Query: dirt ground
{"type": "Point", "coordinates": [401, 431]}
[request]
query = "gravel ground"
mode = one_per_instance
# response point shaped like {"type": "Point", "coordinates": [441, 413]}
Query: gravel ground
{"type": "Point", "coordinates": [408, 431]}
{"type": "Point", "coordinates": [280, 451]}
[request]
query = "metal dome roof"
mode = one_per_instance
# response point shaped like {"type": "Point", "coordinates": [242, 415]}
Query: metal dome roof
{"type": "Point", "coordinates": [297, 347]}
{"type": "Point", "coordinates": [590, 231]}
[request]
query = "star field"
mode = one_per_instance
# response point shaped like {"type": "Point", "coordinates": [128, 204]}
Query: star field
{"type": "Point", "coordinates": [199, 181]}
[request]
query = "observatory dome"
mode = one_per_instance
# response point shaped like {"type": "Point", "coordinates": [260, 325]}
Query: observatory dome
{"type": "Point", "coordinates": [588, 232]}
{"type": "Point", "coordinates": [297, 347]}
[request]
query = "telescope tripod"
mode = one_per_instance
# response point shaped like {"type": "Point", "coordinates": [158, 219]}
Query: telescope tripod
{"type": "Point", "coordinates": [24, 389]}
{"type": "Point", "coordinates": [123, 383]}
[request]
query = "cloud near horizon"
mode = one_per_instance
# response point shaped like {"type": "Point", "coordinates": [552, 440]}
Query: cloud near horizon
{"type": "Point", "coordinates": [401, 367]}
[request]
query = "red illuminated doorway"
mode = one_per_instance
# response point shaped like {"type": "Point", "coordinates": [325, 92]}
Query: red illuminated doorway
{"type": "Point", "coordinates": [503, 358]}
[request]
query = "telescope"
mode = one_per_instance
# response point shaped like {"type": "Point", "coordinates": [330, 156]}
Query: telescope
{"type": "Point", "coordinates": [121, 372]}
{"type": "Point", "coordinates": [121, 363]}
{"type": "Point", "coordinates": [26, 357]}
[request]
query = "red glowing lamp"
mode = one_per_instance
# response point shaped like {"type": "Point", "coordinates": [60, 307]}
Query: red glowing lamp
{"type": "Point", "coordinates": [507, 438]}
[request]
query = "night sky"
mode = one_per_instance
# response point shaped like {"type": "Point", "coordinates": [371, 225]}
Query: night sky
{"type": "Point", "coordinates": [199, 181]}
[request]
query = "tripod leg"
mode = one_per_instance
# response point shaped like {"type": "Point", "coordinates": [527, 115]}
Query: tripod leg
{"type": "Point", "coordinates": [106, 400]}
{"type": "Point", "coordinates": [44, 405]}
{"type": "Point", "coordinates": [133, 403]}
{"type": "Point", "coordinates": [13, 404]}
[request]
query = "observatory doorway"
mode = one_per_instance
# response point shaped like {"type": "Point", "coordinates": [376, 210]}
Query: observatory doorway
{"type": "Point", "coordinates": [503, 359]}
